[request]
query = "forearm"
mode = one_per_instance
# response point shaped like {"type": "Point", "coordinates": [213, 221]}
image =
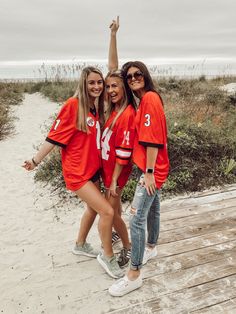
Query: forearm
{"type": "Point", "coordinates": [113, 54]}
{"type": "Point", "coordinates": [152, 153]}
{"type": "Point", "coordinates": [43, 151]}
{"type": "Point", "coordinates": [149, 178]}
{"type": "Point", "coordinates": [117, 171]}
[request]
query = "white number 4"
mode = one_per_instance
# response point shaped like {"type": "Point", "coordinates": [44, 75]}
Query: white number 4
{"type": "Point", "coordinates": [148, 121]}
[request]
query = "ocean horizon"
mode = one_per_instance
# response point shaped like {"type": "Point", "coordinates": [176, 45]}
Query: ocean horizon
{"type": "Point", "coordinates": [71, 69]}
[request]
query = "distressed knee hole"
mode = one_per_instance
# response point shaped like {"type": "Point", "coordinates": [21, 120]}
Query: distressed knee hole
{"type": "Point", "coordinates": [133, 211]}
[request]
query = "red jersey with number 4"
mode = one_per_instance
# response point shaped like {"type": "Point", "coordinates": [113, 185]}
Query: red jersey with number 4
{"type": "Point", "coordinates": [151, 131]}
{"type": "Point", "coordinates": [117, 146]}
{"type": "Point", "coordinates": [80, 152]}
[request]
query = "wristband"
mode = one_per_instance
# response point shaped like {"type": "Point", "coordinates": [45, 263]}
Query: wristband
{"type": "Point", "coordinates": [149, 170]}
{"type": "Point", "coordinates": [34, 162]}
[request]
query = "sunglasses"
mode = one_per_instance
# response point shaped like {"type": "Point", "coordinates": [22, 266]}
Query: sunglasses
{"type": "Point", "coordinates": [136, 75]}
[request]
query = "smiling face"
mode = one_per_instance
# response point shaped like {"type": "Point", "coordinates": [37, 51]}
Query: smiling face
{"type": "Point", "coordinates": [115, 89]}
{"type": "Point", "coordinates": [94, 85]}
{"type": "Point", "coordinates": [135, 79]}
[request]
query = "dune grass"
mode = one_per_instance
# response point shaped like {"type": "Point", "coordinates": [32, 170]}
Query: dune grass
{"type": "Point", "coordinates": [10, 94]}
{"type": "Point", "coordinates": [201, 120]}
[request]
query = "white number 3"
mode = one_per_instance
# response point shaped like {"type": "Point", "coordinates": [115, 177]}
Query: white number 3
{"type": "Point", "coordinates": [148, 121]}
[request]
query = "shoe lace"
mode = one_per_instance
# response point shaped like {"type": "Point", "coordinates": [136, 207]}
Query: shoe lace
{"type": "Point", "coordinates": [114, 264]}
{"type": "Point", "coordinates": [87, 246]}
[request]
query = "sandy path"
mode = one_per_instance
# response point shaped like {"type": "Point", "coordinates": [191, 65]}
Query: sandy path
{"type": "Point", "coordinates": [38, 272]}
{"type": "Point", "coordinates": [36, 232]}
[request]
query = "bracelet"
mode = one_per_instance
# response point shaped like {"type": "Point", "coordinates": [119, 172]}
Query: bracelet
{"type": "Point", "coordinates": [34, 162]}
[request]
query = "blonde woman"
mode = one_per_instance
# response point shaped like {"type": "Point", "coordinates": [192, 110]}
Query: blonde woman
{"type": "Point", "coordinates": [117, 147]}
{"type": "Point", "coordinates": [77, 131]}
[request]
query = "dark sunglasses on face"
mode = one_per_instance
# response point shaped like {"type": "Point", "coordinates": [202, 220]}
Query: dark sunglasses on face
{"type": "Point", "coordinates": [136, 75]}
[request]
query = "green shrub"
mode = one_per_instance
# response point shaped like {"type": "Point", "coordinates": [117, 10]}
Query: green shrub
{"type": "Point", "coordinates": [201, 136]}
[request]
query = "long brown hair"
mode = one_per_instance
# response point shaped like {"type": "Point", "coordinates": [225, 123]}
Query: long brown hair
{"type": "Point", "coordinates": [84, 100]}
{"type": "Point", "coordinates": [124, 101]}
{"type": "Point", "coordinates": [148, 81]}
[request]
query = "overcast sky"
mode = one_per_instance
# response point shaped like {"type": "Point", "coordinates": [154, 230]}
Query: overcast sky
{"type": "Point", "coordinates": [149, 29]}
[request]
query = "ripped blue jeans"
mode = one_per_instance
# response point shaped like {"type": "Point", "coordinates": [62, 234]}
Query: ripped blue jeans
{"type": "Point", "coordinates": [145, 213]}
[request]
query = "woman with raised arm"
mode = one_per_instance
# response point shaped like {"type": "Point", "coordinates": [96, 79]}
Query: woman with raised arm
{"type": "Point", "coordinates": [151, 157]}
{"type": "Point", "coordinates": [77, 131]}
{"type": "Point", "coordinates": [117, 144]}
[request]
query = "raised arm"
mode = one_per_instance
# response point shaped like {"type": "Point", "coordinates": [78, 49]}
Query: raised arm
{"type": "Point", "coordinates": [113, 55]}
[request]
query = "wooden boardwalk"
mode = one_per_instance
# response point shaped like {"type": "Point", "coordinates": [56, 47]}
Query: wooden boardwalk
{"type": "Point", "coordinates": [195, 271]}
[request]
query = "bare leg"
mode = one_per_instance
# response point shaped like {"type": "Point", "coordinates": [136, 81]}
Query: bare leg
{"type": "Point", "coordinates": [90, 194]}
{"type": "Point", "coordinates": [118, 222]}
{"type": "Point", "coordinates": [86, 222]}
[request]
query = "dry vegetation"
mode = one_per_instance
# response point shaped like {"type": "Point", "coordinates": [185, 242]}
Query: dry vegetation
{"type": "Point", "coordinates": [10, 94]}
{"type": "Point", "coordinates": [201, 133]}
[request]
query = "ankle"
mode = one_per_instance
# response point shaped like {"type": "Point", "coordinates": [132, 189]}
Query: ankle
{"type": "Point", "coordinates": [127, 247]}
{"type": "Point", "coordinates": [133, 274]}
{"type": "Point", "coordinates": [151, 247]}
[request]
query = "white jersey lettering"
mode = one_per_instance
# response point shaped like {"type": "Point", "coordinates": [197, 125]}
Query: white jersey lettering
{"type": "Point", "coordinates": [148, 121]}
{"type": "Point", "coordinates": [126, 138]}
{"type": "Point", "coordinates": [57, 123]}
{"type": "Point", "coordinates": [98, 135]}
{"type": "Point", "coordinates": [106, 135]}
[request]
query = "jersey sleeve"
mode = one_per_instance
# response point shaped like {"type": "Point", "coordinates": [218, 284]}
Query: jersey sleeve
{"type": "Point", "coordinates": [64, 125]}
{"type": "Point", "coordinates": [124, 140]}
{"type": "Point", "coordinates": [152, 128]}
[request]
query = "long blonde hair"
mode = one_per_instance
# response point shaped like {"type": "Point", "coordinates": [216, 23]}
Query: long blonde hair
{"type": "Point", "coordinates": [84, 100]}
{"type": "Point", "coordinates": [123, 103]}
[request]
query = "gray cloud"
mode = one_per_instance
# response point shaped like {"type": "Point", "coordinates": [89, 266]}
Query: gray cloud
{"type": "Point", "coordinates": [56, 29]}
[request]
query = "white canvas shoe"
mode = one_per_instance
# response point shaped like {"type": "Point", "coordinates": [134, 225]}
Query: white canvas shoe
{"type": "Point", "coordinates": [149, 254]}
{"type": "Point", "coordinates": [124, 286]}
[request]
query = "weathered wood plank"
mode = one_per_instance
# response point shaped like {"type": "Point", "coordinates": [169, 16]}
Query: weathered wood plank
{"type": "Point", "coordinates": [197, 199]}
{"type": "Point", "coordinates": [194, 243]}
{"type": "Point", "coordinates": [193, 300]}
{"type": "Point", "coordinates": [228, 307]}
{"type": "Point", "coordinates": [157, 287]}
{"type": "Point", "coordinates": [197, 209]}
{"type": "Point", "coordinates": [198, 229]}
{"type": "Point", "coordinates": [209, 217]}
{"type": "Point", "coordinates": [190, 259]}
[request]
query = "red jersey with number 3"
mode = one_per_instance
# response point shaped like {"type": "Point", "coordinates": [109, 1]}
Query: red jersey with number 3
{"type": "Point", "coordinates": [117, 146]}
{"type": "Point", "coordinates": [81, 157]}
{"type": "Point", "coordinates": [151, 130]}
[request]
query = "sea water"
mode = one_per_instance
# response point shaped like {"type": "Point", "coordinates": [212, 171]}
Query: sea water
{"type": "Point", "coordinates": [71, 70]}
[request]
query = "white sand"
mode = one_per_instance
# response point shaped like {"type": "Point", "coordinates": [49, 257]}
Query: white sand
{"type": "Point", "coordinates": [229, 88]}
{"type": "Point", "coordinates": [36, 232]}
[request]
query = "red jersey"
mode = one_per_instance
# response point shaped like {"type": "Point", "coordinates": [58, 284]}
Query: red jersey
{"type": "Point", "coordinates": [117, 146]}
{"type": "Point", "coordinates": [80, 151]}
{"type": "Point", "coordinates": [151, 131]}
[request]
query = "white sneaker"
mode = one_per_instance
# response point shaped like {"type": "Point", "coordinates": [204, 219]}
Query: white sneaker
{"type": "Point", "coordinates": [124, 286]}
{"type": "Point", "coordinates": [149, 254]}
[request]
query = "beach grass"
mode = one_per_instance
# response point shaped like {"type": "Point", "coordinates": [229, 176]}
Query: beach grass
{"type": "Point", "coordinates": [10, 94]}
{"type": "Point", "coordinates": [201, 120]}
